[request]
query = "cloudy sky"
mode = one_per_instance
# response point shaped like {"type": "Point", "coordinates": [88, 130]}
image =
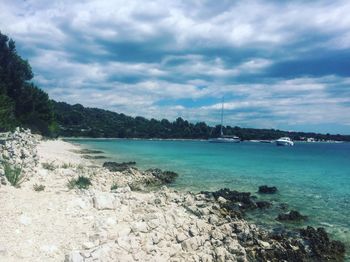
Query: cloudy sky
{"type": "Point", "coordinates": [279, 64]}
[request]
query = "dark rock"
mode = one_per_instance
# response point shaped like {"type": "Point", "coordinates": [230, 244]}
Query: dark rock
{"type": "Point", "coordinates": [291, 216]}
{"type": "Point", "coordinates": [244, 199]}
{"type": "Point", "coordinates": [263, 204]}
{"type": "Point", "coordinates": [288, 245]}
{"type": "Point", "coordinates": [231, 209]}
{"type": "Point", "coordinates": [93, 157]}
{"type": "Point", "coordinates": [165, 177]}
{"type": "Point", "coordinates": [322, 247]}
{"type": "Point", "coordinates": [267, 190]}
{"type": "Point", "coordinates": [87, 151]}
{"type": "Point", "coordinates": [118, 167]}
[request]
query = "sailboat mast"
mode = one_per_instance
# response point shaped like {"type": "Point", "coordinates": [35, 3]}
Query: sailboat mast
{"type": "Point", "coordinates": [222, 117]}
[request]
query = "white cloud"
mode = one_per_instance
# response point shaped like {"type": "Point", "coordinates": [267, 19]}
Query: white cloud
{"type": "Point", "coordinates": [73, 47]}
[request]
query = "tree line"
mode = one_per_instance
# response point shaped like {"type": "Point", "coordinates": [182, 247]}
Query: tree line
{"type": "Point", "coordinates": [79, 121]}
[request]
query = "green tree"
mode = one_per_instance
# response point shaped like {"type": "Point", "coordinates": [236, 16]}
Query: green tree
{"type": "Point", "coordinates": [21, 102]}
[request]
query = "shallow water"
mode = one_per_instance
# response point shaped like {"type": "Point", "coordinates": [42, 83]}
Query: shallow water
{"type": "Point", "coordinates": [313, 178]}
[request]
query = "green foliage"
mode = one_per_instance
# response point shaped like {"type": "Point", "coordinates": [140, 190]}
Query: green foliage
{"type": "Point", "coordinates": [81, 182]}
{"type": "Point", "coordinates": [21, 102]}
{"type": "Point", "coordinates": [49, 166]}
{"type": "Point", "coordinates": [114, 186]}
{"type": "Point", "coordinates": [66, 165]}
{"type": "Point", "coordinates": [76, 120]}
{"type": "Point", "coordinates": [38, 188]}
{"type": "Point", "coordinates": [13, 174]}
{"type": "Point", "coordinates": [7, 117]}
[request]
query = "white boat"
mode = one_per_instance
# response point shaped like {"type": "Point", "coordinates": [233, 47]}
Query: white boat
{"type": "Point", "coordinates": [225, 139]}
{"type": "Point", "coordinates": [222, 138]}
{"type": "Point", "coordinates": [284, 141]}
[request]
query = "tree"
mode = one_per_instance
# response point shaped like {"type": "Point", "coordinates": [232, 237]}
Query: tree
{"type": "Point", "coordinates": [21, 102]}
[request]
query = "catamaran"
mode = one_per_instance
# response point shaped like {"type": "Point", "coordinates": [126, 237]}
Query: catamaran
{"type": "Point", "coordinates": [224, 138]}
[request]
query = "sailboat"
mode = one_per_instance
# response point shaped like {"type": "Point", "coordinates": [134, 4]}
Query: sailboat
{"type": "Point", "coordinates": [223, 138]}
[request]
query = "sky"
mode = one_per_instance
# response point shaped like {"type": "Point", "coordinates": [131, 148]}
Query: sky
{"type": "Point", "coordinates": [278, 64]}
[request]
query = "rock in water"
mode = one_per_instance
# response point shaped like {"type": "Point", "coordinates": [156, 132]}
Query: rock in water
{"type": "Point", "coordinates": [267, 189]}
{"type": "Point", "coordinates": [291, 216]}
{"type": "Point", "coordinates": [165, 177]}
{"type": "Point", "coordinates": [263, 204]}
{"type": "Point", "coordinates": [118, 167]}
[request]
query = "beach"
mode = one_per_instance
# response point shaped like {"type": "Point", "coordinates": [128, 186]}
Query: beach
{"type": "Point", "coordinates": [130, 215]}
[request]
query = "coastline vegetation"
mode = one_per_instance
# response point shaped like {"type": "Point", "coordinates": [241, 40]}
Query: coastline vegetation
{"type": "Point", "coordinates": [49, 166]}
{"type": "Point", "coordinates": [38, 188]}
{"type": "Point", "coordinates": [13, 174]}
{"type": "Point", "coordinates": [81, 182]}
{"type": "Point", "coordinates": [114, 187]}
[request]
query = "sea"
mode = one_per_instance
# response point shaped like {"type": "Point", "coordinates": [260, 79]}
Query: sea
{"type": "Point", "coordinates": [313, 178]}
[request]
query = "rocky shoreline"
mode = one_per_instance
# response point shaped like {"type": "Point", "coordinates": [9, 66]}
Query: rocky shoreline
{"type": "Point", "coordinates": [66, 208]}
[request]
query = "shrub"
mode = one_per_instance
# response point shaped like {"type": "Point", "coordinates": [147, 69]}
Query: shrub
{"type": "Point", "coordinates": [65, 165]}
{"type": "Point", "coordinates": [81, 182]}
{"type": "Point", "coordinates": [13, 174]}
{"type": "Point", "coordinates": [114, 186]}
{"type": "Point", "coordinates": [38, 187]}
{"type": "Point", "coordinates": [49, 166]}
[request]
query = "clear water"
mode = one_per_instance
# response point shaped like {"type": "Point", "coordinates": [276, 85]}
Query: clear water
{"type": "Point", "coordinates": [313, 178]}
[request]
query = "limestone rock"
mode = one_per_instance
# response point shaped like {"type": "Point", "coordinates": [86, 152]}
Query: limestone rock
{"type": "Point", "coordinates": [74, 256]}
{"type": "Point", "coordinates": [103, 200]}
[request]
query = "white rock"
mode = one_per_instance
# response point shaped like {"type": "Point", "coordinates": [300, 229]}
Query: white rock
{"type": "Point", "coordinates": [190, 244]}
{"type": "Point", "coordinates": [181, 237]}
{"type": "Point", "coordinates": [3, 250]}
{"type": "Point", "coordinates": [220, 254]}
{"type": "Point", "coordinates": [49, 249]}
{"type": "Point", "coordinates": [74, 256]}
{"type": "Point", "coordinates": [175, 249]}
{"type": "Point", "coordinates": [216, 234]}
{"type": "Point", "coordinates": [264, 244]}
{"type": "Point", "coordinates": [124, 243]}
{"type": "Point", "coordinates": [139, 227]}
{"type": "Point", "coordinates": [104, 200]}
{"type": "Point", "coordinates": [88, 245]}
{"type": "Point", "coordinates": [25, 220]}
{"type": "Point", "coordinates": [122, 190]}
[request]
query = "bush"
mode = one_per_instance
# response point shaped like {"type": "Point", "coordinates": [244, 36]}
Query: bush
{"type": "Point", "coordinates": [114, 186]}
{"type": "Point", "coordinates": [38, 187]}
{"type": "Point", "coordinates": [65, 165]}
{"type": "Point", "coordinates": [82, 183]}
{"type": "Point", "coordinates": [49, 166]}
{"type": "Point", "coordinates": [13, 174]}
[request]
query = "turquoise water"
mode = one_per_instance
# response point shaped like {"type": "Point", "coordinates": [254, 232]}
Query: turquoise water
{"type": "Point", "coordinates": [313, 178]}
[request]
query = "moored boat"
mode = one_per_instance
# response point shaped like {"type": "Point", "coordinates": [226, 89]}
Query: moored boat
{"type": "Point", "coordinates": [224, 138]}
{"type": "Point", "coordinates": [284, 141]}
